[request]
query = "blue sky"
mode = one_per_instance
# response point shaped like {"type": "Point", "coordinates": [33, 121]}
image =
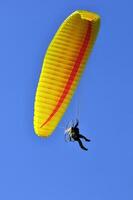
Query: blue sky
{"type": "Point", "coordinates": [36, 168]}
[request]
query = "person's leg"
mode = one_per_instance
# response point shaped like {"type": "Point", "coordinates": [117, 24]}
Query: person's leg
{"type": "Point", "coordinates": [81, 145]}
{"type": "Point", "coordinates": [86, 139]}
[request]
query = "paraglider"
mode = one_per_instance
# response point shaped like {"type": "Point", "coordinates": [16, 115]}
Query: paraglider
{"type": "Point", "coordinates": [62, 68]}
{"type": "Point", "coordinates": [75, 135]}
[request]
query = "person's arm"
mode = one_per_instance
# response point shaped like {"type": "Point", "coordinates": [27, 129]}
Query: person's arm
{"type": "Point", "coordinates": [77, 123]}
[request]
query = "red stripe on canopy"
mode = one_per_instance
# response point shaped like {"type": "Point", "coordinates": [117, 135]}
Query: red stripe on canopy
{"type": "Point", "coordinates": [72, 75]}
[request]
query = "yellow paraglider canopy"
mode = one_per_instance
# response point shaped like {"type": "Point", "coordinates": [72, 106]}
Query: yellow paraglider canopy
{"type": "Point", "coordinates": [62, 68]}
